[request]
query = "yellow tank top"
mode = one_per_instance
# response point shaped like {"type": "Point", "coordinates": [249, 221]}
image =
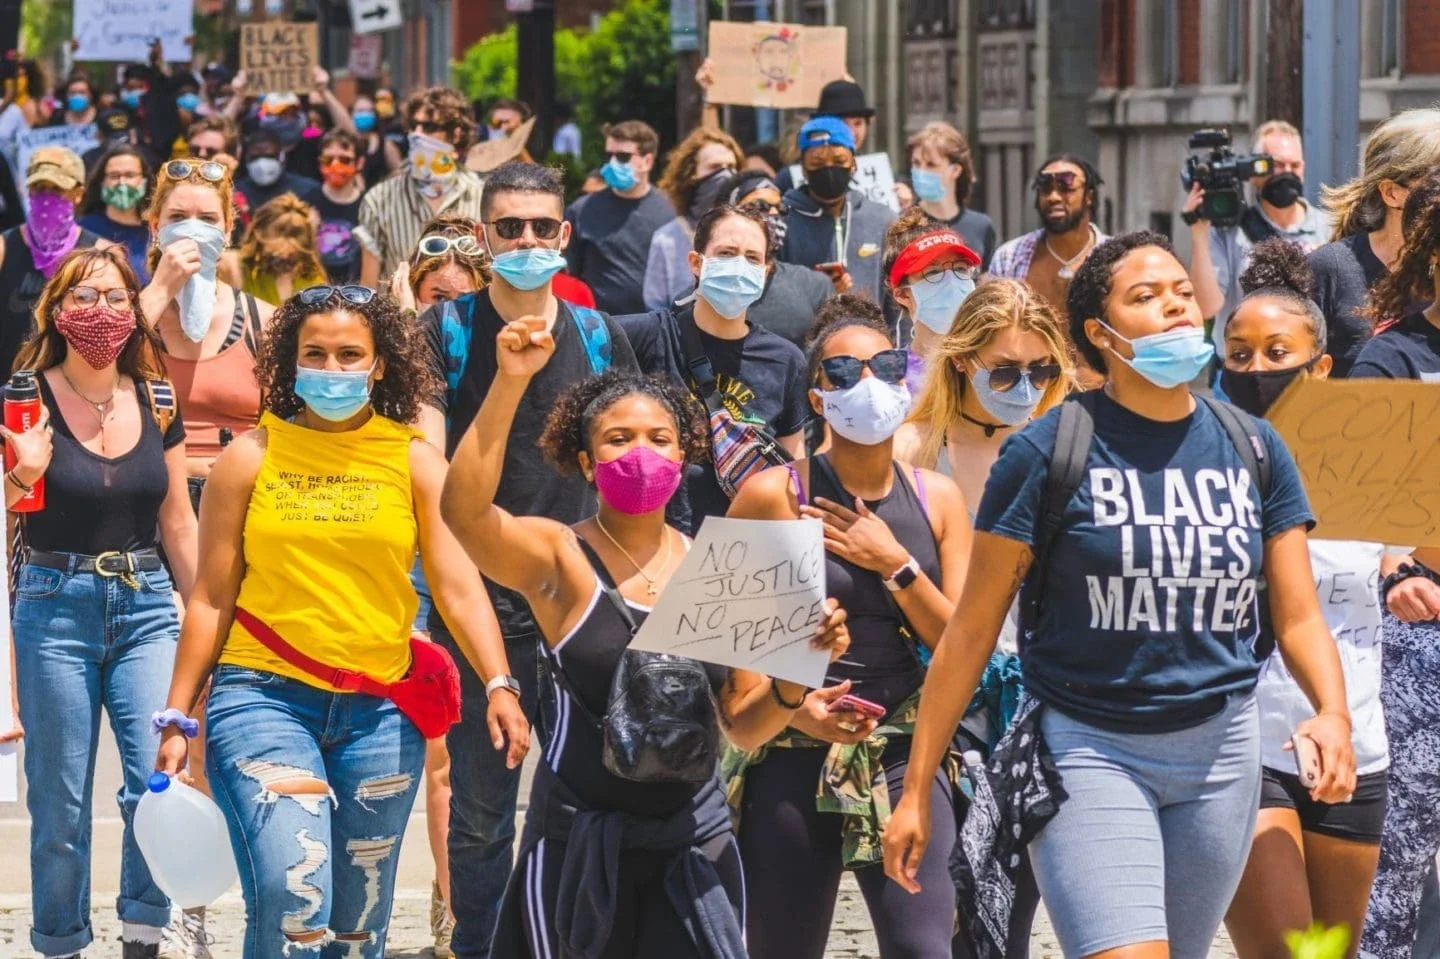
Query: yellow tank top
{"type": "Point", "coordinates": [330, 537]}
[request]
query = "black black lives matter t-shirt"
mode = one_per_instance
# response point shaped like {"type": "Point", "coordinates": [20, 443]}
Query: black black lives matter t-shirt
{"type": "Point", "coordinates": [761, 379]}
{"type": "Point", "coordinates": [528, 484]}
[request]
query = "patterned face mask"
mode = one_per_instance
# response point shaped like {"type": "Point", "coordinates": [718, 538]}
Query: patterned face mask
{"type": "Point", "coordinates": [98, 333]}
{"type": "Point", "coordinates": [433, 165]}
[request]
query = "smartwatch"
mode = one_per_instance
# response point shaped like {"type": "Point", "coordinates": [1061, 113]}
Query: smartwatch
{"type": "Point", "coordinates": [903, 577]}
{"type": "Point", "coordinates": [503, 682]}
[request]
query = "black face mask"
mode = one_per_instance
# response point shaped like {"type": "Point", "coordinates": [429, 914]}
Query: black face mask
{"type": "Point", "coordinates": [705, 193]}
{"type": "Point", "coordinates": [1283, 190]}
{"type": "Point", "coordinates": [1256, 392]}
{"type": "Point", "coordinates": [828, 182]}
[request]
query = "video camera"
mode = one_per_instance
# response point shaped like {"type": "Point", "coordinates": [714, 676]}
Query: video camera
{"type": "Point", "coordinates": [1222, 175]}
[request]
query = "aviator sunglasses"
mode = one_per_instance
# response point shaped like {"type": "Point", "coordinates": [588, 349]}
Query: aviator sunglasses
{"type": "Point", "coordinates": [1006, 377]}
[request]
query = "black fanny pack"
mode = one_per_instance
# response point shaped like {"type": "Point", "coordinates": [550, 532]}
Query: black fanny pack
{"type": "Point", "coordinates": [659, 724]}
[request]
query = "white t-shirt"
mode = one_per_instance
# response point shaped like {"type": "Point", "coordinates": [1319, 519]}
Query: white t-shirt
{"type": "Point", "coordinates": [1346, 575]}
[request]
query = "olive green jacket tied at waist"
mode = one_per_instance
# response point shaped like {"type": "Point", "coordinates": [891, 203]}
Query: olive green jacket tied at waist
{"type": "Point", "coordinates": [852, 781]}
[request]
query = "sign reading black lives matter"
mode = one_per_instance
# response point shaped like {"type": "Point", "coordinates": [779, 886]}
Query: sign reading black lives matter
{"type": "Point", "coordinates": [749, 594]}
{"type": "Point", "coordinates": [279, 57]}
{"type": "Point", "coordinates": [1369, 453]}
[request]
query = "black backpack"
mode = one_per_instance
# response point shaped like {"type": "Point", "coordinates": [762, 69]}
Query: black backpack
{"type": "Point", "coordinates": [1073, 436]}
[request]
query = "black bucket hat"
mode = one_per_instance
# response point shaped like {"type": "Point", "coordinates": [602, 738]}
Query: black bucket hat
{"type": "Point", "coordinates": [843, 98]}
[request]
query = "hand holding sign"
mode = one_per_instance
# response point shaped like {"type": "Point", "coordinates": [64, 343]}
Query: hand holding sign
{"type": "Point", "coordinates": [751, 594]}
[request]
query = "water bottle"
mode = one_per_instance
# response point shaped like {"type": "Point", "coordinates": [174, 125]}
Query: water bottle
{"type": "Point", "coordinates": [22, 411]}
{"type": "Point", "coordinates": [183, 837]}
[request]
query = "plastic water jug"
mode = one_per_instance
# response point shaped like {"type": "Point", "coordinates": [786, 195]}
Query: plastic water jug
{"type": "Point", "coordinates": [183, 837]}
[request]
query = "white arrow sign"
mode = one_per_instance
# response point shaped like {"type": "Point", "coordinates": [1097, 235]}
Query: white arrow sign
{"type": "Point", "coordinates": [373, 16]}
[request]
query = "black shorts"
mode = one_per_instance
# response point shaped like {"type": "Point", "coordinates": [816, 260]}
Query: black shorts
{"type": "Point", "coordinates": [1360, 820]}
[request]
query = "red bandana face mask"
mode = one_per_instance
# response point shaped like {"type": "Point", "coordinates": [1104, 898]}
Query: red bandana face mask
{"type": "Point", "coordinates": [98, 333]}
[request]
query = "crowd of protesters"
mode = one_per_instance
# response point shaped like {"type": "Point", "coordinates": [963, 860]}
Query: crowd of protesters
{"type": "Point", "coordinates": [365, 454]}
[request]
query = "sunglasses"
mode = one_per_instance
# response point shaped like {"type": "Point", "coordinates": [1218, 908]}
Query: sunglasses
{"type": "Point", "coordinates": [184, 169]}
{"type": "Point", "coordinates": [440, 245]}
{"type": "Point", "coordinates": [1064, 181]}
{"type": "Point", "coordinates": [623, 157]}
{"type": "Point", "coordinates": [204, 153]}
{"type": "Point", "coordinates": [337, 161]}
{"type": "Point", "coordinates": [513, 227]}
{"type": "Point", "coordinates": [1007, 377]}
{"type": "Point", "coordinates": [763, 208]}
{"type": "Point", "coordinates": [88, 296]}
{"type": "Point", "coordinates": [844, 371]}
{"type": "Point", "coordinates": [356, 295]}
{"type": "Point", "coordinates": [431, 128]}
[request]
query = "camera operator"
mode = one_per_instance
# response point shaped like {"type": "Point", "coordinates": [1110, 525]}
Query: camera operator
{"type": "Point", "coordinates": [1218, 255]}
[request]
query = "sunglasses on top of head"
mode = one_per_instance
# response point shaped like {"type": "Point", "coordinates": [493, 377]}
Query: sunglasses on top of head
{"type": "Point", "coordinates": [1007, 376]}
{"type": "Point", "coordinates": [513, 227]}
{"type": "Point", "coordinates": [436, 245]}
{"type": "Point", "coordinates": [184, 169]}
{"type": "Point", "coordinates": [355, 295]}
{"type": "Point", "coordinates": [844, 371]}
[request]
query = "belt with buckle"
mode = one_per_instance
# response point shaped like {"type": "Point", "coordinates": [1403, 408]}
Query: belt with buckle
{"type": "Point", "coordinates": [107, 564]}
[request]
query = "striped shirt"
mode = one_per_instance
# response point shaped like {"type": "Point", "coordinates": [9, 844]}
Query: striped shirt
{"type": "Point", "coordinates": [393, 214]}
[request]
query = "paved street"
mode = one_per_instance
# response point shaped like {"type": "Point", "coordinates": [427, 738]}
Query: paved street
{"type": "Point", "coordinates": [410, 926]}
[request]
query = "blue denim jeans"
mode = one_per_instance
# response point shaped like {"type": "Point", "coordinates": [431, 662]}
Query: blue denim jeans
{"type": "Point", "coordinates": [317, 865]}
{"type": "Point", "coordinates": [84, 641]}
{"type": "Point", "coordinates": [422, 591]}
{"type": "Point", "coordinates": [483, 794]}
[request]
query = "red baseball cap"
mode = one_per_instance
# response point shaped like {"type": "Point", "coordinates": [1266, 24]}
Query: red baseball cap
{"type": "Point", "coordinates": [924, 250]}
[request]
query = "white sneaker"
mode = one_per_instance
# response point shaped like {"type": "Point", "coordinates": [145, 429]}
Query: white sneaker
{"type": "Point", "coordinates": [185, 937]}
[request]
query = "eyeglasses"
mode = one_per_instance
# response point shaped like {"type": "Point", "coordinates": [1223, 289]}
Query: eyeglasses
{"type": "Point", "coordinates": [88, 296]}
{"type": "Point", "coordinates": [1065, 181]}
{"type": "Point", "coordinates": [844, 371]}
{"type": "Point", "coordinates": [184, 169]}
{"type": "Point", "coordinates": [621, 157]}
{"type": "Point", "coordinates": [513, 227]}
{"type": "Point", "coordinates": [1006, 377]}
{"type": "Point", "coordinates": [938, 274]}
{"type": "Point", "coordinates": [204, 153]}
{"type": "Point", "coordinates": [467, 245]}
{"type": "Point", "coordinates": [356, 295]}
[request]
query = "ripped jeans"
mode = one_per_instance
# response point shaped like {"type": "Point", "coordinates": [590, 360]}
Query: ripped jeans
{"type": "Point", "coordinates": [317, 789]}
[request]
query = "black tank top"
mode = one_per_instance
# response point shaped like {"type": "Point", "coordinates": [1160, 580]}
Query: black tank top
{"type": "Point", "coordinates": [589, 655]}
{"type": "Point", "coordinates": [881, 665]}
{"type": "Point", "coordinates": [20, 286]}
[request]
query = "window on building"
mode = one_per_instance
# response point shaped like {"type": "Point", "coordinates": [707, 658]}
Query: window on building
{"type": "Point", "coordinates": [1232, 63]}
{"type": "Point", "coordinates": [930, 18]}
{"type": "Point", "coordinates": [1167, 42]}
{"type": "Point", "coordinates": [814, 13]}
{"type": "Point", "coordinates": [1007, 14]}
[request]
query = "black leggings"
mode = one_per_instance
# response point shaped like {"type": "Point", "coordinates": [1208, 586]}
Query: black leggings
{"type": "Point", "coordinates": [792, 863]}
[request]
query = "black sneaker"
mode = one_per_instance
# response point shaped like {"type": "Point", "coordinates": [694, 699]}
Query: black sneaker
{"type": "Point", "coordinates": [139, 950]}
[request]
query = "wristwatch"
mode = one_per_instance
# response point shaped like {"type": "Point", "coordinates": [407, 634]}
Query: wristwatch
{"type": "Point", "coordinates": [503, 682]}
{"type": "Point", "coordinates": [903, 576]}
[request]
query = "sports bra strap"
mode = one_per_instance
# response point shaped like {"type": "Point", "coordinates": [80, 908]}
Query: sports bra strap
{"type": "Point", "coordinates": [795, 483]}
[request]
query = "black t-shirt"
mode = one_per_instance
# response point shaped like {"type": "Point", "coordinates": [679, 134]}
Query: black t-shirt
{"type": "Point", "coordinates": [761, 378]}
{"type": "Point", "coordinates": [304, 188]}
{"type": "Point", "coordinates": [1409, 350]}
{"type": "Point", "coordinates": [1344, 273]}
{"type": "Point", "coordinates": [20, 286]}
{"type": "Point", "coordinates": [339, 250]}
{"type": "Point", "coordinates": [610, 245]}
{"type": "Point", "coordinates": [529, 486]}
{"type": "Point", "coordinates": [793, 294]}
{"type": "Point", "coordinates": [978, 232]}
{"type": "Point", "coordinates": [93, 503]}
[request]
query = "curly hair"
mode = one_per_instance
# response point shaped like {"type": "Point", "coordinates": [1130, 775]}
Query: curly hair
{"type": "Point", "coordinates": [1279, 270]}
{"type": "Point", "coordinates": [678, 180]}
{"type": "Point", "coordinates": [1413, 279]}
{"type": "Point", "coordinates": [281, 239]}
{"type": "Point", "coordinates": [1091, 286]}
{"type": "Point", "coordinates": [905, 229]}
{"type": "Point", "coordinates": [835, 314]}
{"type": "Point", "coordinates": [407, 381]}
{"type": "Point", "coordinates": [567, 430]}
{"type": "Point", "coordinates": [447, 107]}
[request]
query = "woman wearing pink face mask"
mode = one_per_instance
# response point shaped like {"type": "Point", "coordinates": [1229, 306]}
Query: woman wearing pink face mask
{"type": "Point", "coordinates": [589, 585]}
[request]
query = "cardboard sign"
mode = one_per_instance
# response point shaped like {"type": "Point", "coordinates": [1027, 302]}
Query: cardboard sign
{"type": "Point", "coordinates": [279, 57]}
{"type": "Point", "coordinates": [367, 51]}
{"type": "Point", "coordinates": [874, 177]}
{"type": "Point", "coordinates": [122, 30]}
{"type": "Point", "coordinates": [1369, 452]}
{"type": "Point", "coordinates": [780, 65]}
{"type": "Point", "coordinates": [750, 594]}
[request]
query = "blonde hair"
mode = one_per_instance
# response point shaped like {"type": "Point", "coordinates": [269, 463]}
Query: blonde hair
{"type": "Point", "coordinates": [452, 226]}
{"type": "Point", "coordinates": [678, 180]}
{"type": "Point", "coordinates": [1401, 149]}
{"type": "Point", "coordinates": [1271, 128]}
{"type": "Point", "coordinates": [281, 239]}
{"type": "Point", "coordinates": [997, 304]}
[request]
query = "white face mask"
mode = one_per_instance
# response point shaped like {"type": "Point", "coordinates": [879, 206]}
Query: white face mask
{"type": "Point", "coordinates": [869, 412]}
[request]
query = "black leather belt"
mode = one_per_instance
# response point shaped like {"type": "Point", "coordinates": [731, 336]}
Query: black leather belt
{"type": "Point", "coordinates": [107, 564]}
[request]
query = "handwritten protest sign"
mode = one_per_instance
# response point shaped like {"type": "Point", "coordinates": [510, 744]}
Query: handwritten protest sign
{"type": "Point", "coordinates": [279, 57]}
{"type": "Point", "coordinates": [123, 29]}
{"type": "Point", "coordinates": [780, 65]}
{"type": "Point", "coordinates": [1369, 452]}
{"type": "Point", "coordinates": [874, 177]}
{"type": "Point", "coordinates": [749, 594]}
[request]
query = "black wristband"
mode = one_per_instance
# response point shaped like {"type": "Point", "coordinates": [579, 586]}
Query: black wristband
{"type": "Point", "coordinates": [775, 692]}
{"type": "Point", "coordinates": [1406, 571]}
{"type": "Point", "coordinates": [1191, 217]}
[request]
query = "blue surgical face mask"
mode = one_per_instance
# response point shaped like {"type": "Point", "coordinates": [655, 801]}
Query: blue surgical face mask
{"type": "Point", "coordinates": [528, 269]}
{"type": "Point", "coordinates": [1012, 407]}
{"type": "Point", "coordinates": [334, 395]}
{"type": "Point", "coordinates": [618, 176]}
{"type": "Point", "coordinates": [188, 101]}
{"type": "Point", "coordinates": [77, 103]}
{"type": "Point", "coordinates": [131, 98]}
{"type": "Point", "coordinates": [937, 303]}
{"type": "Point", "coordinates": [1168, 359]}
{"type": "Point", "coordinates": [730, 284]}
{"type": "Point", "coordinates": [927, 185]}
{"type": "Point", "coordinates": [365, 120]}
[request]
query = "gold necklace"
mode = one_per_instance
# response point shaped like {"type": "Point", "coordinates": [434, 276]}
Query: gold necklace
{"type": "Point", "coordinates": [99, 407]}
{"type": "Point", "coordinates": [650, 589]}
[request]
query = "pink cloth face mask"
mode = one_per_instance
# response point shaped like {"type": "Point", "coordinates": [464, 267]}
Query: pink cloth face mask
{"type": "Point", "coordinates": [639, 482]}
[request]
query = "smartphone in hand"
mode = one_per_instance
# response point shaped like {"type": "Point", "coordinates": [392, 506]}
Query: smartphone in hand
{"type": "Point", "coordinates": [1307, 760]}
{"type": "Point", "coordinates": [864, 707]}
